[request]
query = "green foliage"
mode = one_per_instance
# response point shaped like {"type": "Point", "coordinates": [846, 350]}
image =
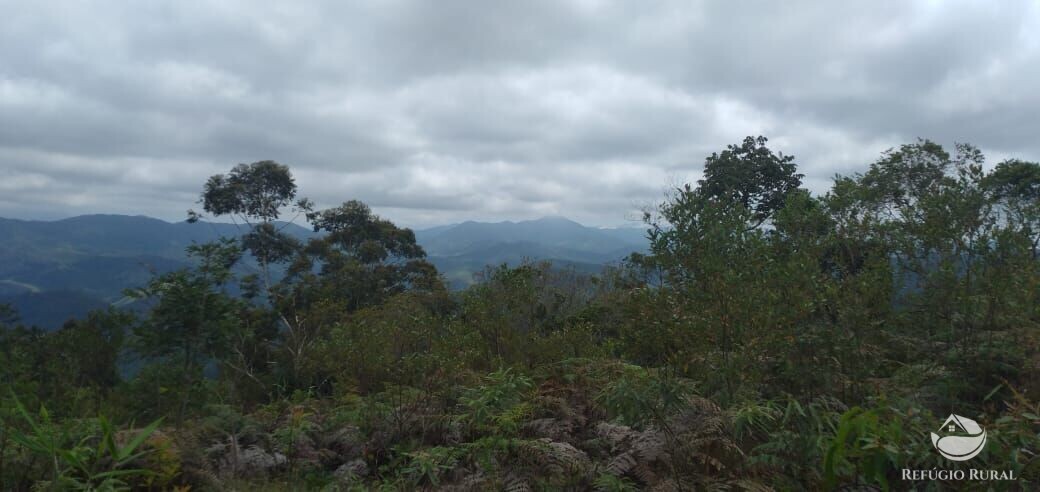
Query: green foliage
{"type": "Point", "coordinates": [638, 397]}
{"type": "Point", "coordinates": [258, 190]}
{"type": "Point", "coordinates": [425, 467]}
{"type": "Point", "coordinates": [497, 404]}
{"type": "Point", "coordinates": [362, 258]}
{"type": "Point", "coordinates": [611, 483]}
{"type": "Point", "coordinates": [532, 314]}
{"type": "Point", "coordinates": [751, 176]}
{"type": "Point", "coordinates": [78, 464]}
{"type": "Point", "coordinates": [862, 440]}
{"type": "Point", "coordinates": [770, 338]}
{"type": "Point", "coordinates": [193, 319]}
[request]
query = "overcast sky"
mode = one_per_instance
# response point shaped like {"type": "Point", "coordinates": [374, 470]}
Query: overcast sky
{"type": "Point", "coordinates": [440, 111]}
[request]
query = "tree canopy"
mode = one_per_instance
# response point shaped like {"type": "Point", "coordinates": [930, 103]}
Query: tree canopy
{"type": "Point", "coordinates": [769, 338]}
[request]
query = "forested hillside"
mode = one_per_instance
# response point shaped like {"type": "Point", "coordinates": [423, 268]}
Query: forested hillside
{"type": "Point", "coordinates": [768, 339]}
{"type": "Point", "coordinates": [51, 271]}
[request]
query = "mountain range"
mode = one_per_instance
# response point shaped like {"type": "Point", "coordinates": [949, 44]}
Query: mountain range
{"type": "Point", "coordinates": [54, 270]}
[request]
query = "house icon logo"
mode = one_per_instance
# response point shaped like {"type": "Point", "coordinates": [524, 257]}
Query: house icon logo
{"type": "Point", "coordinates": [962, 438]}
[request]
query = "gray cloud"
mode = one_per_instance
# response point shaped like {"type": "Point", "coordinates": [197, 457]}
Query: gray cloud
{"type": "Point", "coordinates": [436, 112]}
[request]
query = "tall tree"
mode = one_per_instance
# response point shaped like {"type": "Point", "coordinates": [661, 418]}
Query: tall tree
{"type": "Point", "coordinates": [751, 175]}
{"type": "Point", "coordinates": [256, 194]}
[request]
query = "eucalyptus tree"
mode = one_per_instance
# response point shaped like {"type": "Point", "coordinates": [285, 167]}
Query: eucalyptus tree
{"type": "Point", "coordinates": [355, 260]}
{"type": "Point", "coordinates": [256, 194]}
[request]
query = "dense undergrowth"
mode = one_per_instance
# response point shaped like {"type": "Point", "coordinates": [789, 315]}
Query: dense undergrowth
{"type": "Point", "coordinates": [770, 340]}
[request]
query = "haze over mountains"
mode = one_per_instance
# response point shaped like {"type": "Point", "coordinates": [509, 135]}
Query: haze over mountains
{"type": "Point", "coordinates": [53, 270]}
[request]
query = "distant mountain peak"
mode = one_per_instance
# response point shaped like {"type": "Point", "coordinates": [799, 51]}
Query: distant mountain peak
{"type": "Point", "coordinates": [556, 219]}
{"type": "Point", "coordinates": [107, 218]}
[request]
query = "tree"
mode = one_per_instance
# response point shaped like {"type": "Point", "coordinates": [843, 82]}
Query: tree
{"type": "Point", "coordinates": [91, 347]}
{"type": "Point", "coordinates": [193, 318]}
{"type": "Point", "coordinates": [256, 194]}
{"type": "Point", "coordinates": [359, 260]}
{"type": "Point", "coordinates": [1014, 186]}
{"type": "Point", "coordinates": [961, 264]}
{"type": "Point", "coordinates": [902, 177]}
{"type": "Point", "coordinates": [365, 259]}
{"type": "Point", "coordinates": [1015, 180]}
{"type": "Point", "coordinates": [717, 263]}
{"type": "Point", "coordinates": [751, 175]}
{"type": "Point", "coordinates": [256, 191]}
{"type": "Point", "coordinates": [512, 309]}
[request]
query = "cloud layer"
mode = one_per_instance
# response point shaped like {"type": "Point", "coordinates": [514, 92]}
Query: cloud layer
{"type": "Point", "coordinates": [435, 112]}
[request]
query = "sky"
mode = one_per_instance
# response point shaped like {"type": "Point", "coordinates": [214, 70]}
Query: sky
{"type": "Point", "coordinates": [436, 112]}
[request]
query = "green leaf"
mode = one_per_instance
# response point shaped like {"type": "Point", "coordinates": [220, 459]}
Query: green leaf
{"type": "Point", "coordinates": [138, 439]}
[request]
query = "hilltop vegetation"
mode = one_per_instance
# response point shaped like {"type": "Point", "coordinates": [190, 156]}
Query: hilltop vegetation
{"type": "Point", "coordinates": [768, 339]}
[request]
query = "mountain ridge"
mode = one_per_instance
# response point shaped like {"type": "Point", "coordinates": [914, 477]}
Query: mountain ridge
{"type": "Point", "coordinates": [98, 255]}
